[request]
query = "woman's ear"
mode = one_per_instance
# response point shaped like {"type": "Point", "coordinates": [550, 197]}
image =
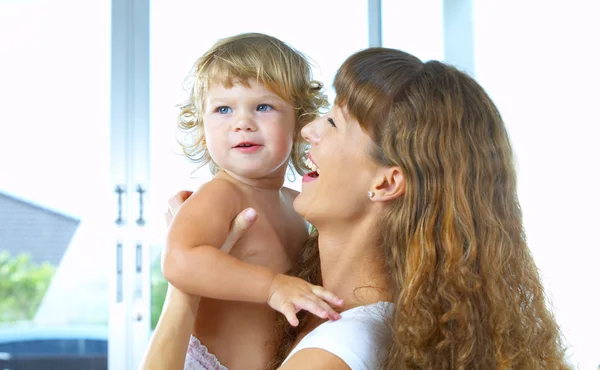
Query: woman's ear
{"type": "Point", "coordinates": [389, 184]}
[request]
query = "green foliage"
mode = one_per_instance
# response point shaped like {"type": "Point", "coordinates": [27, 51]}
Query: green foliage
{"type": "Point", "coordinates": [23, 284]}
{"type": "Point", "coordinates": [158, 292]}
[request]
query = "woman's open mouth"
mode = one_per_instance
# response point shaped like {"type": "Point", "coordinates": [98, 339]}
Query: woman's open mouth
{"type": "Point", "coordinates": [314, 174]}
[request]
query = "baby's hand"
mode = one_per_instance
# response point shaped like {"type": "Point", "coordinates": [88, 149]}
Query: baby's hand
{"type": "Point", "coordinates": [289, 295]}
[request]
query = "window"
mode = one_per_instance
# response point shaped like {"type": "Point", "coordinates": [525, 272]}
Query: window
{"type": "Point", "coordinates": [54, 145]}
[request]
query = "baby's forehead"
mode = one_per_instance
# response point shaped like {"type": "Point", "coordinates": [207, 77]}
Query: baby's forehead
{"type": "Point", "coordinates": [228, 74]}
{"type": "Point", "coordinates": [228, 81]}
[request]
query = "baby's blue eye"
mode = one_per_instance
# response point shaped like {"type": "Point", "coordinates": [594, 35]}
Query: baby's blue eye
{"type": "Point", "coordinates": [264, 107]}
{"type": "Point", "coordinates": [224, 110]}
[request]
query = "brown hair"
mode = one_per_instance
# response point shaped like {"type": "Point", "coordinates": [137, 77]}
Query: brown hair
{"type": "Point", "coordinates": [307, 267]}
{"type": "Point", "coordinates": [237, 59]}
{"type": "Point", "coordinates": [467, 292]}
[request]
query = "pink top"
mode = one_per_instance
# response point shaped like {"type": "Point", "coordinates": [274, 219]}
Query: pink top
{"type": "Point", "coordinates": [198, 357]}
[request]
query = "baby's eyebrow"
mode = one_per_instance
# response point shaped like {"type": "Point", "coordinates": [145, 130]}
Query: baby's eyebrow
{"type": "Point", "coordinates": [269, 96]}
{"type": "Point", "coordinates": [218, 100]}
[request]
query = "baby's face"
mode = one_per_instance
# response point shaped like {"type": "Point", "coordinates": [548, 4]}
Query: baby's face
{"type": "Point", "coordinates": [249, 129]}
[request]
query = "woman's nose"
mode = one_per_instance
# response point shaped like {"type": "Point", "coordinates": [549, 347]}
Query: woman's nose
{"type": "Point", "coordinates": [309, 132]}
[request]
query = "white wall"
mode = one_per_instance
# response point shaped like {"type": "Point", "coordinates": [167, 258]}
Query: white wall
{"type": "Point", "coordinates": [539, 62]}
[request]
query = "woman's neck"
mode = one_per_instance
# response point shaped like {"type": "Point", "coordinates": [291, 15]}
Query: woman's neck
{"type": "Point", "coordinates": [353, 265]}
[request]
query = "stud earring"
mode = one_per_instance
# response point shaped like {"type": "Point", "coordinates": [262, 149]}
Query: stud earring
{"type": "Point", "coordinates": [370, 194]}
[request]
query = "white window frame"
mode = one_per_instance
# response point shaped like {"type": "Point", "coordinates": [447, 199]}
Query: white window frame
{"type": "Point", "coordinates": [129, 315]}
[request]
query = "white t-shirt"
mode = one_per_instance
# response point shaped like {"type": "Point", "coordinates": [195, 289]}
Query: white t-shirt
{"type": "Point", "coordinates": [359, 338]}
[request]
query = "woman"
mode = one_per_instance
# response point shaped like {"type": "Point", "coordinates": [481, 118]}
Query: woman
{"type": "Point", "coordinates": [420, 229]}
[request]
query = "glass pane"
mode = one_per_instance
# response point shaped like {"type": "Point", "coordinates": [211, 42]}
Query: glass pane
{"type": "Point", "coordinates": [182, 30]}
{"type": "Point", "coordinates": [54, 181]}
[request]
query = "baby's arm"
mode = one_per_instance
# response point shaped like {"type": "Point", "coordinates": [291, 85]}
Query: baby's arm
{"type": "Point", "coordinates": [193, 263]}
{"type": "Point", "coordinates": [167, 347]}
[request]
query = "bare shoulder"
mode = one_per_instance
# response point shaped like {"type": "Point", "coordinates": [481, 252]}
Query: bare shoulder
{"type": "Point", "coordinates": [218, 191]}
{"type": "Point", "coordinates": [314, 358]}
{"type": "Point", "coordinates": [204, 218]}
{"type": "Point", "coordinates": [220, 185]}
{"type": "Point", "coordinates": [215, 201]}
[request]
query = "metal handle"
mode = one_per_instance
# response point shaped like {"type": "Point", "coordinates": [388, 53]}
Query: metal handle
{"type": "Point", "coordinates": [138, 313]}
{"type": "Point", "coordinates": [140, 221]}
{"type": "Point", "coordinates": [138, 258]}
{"type": "Point", "coordinates": [120, 190]}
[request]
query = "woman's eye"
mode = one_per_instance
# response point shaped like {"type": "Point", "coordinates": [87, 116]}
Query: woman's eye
{"type": "Point", "coordinates": [331, 122]}
{"type": "Point", "coordinates": [264, 107]}
{"type": "Point", "coordinates": [223, 110]}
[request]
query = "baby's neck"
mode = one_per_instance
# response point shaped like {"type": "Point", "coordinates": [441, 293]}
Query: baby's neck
{"type": "Point", "coordinates": [274, 183]}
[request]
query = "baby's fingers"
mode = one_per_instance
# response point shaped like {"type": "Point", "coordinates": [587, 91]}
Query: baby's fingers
{"type": "Point", "coordinates": [327, 296]}
{"type": "Point", "coordinates": [289, 311]}
{"type": "Point", "coordinates": [329, 312]}
{"type": "Point", "coordinates": [315, 306]}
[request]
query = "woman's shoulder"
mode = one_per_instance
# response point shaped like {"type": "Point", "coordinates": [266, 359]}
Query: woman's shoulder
{"type": "Point", "coordinates": [374, 312]}
{"type": "Point", "coordinates": [359, 338]}
{"type": "Point", "coordinates": [372, 322]}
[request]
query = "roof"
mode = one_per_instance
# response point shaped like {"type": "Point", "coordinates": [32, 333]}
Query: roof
{"type": "Point", "coordinates": [29, 228]}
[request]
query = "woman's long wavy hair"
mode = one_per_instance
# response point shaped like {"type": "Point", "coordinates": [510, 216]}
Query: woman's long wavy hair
{"type": "Point", "coordinates": [467, 292]}
{"type": "Point", "coordinates": [238, 59]}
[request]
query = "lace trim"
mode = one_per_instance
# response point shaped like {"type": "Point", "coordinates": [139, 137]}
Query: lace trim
{"type": "Point", "coordinates": [199, 352]}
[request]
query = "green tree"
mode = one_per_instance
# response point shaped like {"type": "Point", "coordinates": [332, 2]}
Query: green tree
{"type": "Point", "coordinates": [158, 292]}
{"type": "Point", "coordinates": [23, 284]}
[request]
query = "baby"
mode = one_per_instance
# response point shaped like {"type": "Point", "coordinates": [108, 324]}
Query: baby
{"type": "Point", "coordinates": [251, 95]}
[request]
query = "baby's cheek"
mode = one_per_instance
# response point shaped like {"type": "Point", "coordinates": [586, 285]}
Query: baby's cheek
{"type": "Point", "coordinates": [284, 143]}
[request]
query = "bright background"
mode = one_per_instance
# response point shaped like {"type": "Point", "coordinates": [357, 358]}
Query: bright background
{"type": "Point", "coordinates": [537, 59]}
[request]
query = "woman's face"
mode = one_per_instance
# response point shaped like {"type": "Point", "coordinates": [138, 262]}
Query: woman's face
{"type": "Point", "coordinates": [338, 189]}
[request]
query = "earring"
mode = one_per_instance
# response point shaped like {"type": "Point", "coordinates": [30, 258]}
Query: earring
{"type": "Point", "coordinates": [370, 194]}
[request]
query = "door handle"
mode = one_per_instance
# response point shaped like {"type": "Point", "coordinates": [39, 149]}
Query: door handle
{"type": "Point", "coordinates": [140, 190]}
{"type": "Point", "coordinates": [120, 190]}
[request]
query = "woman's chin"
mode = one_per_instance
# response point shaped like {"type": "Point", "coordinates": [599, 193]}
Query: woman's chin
{"type": "Point", "coordinates": [298, 206]}
{"type": "Point", "coordinates": [304, 210]}
{"type": "Point", "coordinates": [303, 207]}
